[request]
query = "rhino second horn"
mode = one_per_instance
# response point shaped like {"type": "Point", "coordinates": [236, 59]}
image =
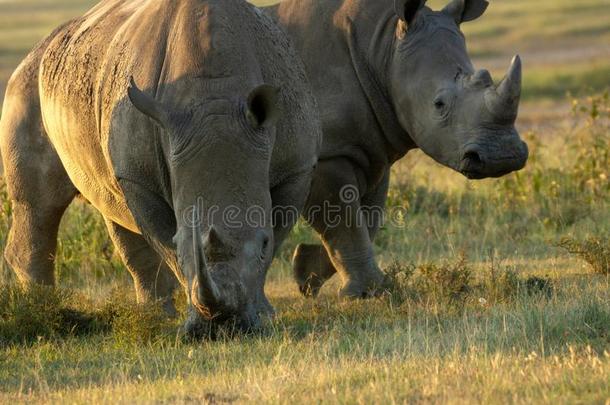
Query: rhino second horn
{"type": "Point", "coordinates": [504, 101]}
{"type": "Point", "coordinates": [207, 293]}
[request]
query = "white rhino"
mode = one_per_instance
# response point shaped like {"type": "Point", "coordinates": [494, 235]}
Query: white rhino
{"type": "Point", "coordinates": [391, 76]}
{"type": "Point", "coordinates": [225, 120]}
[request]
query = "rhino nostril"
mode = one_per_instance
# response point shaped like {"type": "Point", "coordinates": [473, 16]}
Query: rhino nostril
{"type": "Point", "coordinates": [472, 164]}
{"type": "Point", "coordinates": [472, 157]}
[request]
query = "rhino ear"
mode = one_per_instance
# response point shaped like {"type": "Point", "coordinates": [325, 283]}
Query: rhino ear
{"type": "Point", "coordinates": [146, 104]}
{"type": "Point", "coordinates": [466, 10]}
{"type": "Point", "coordinates": [407, 9]}
{"type": "Point", "coordinates": [263, 106]}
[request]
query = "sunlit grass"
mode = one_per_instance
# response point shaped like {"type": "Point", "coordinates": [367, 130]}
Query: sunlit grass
{"type": "Point", "coordinates": [520, 320]}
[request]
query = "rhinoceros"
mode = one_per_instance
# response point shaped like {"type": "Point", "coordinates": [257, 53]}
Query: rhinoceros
{"type": "Point", "coordinates": [390, 77]}
{"type": "Point", "coordinates": [171, 118]}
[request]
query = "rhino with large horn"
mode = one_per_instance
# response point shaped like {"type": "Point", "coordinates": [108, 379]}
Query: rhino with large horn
{"type": "Point", "coordinates": [186, 124]}
{"type": "Point", "coordinates": [391, 76]}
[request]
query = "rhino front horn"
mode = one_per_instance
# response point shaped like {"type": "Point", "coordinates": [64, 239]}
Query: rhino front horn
{"type": "Point", "coordinates": [206, 296]}
{"type": "Point", "coordinates": [504, 101]}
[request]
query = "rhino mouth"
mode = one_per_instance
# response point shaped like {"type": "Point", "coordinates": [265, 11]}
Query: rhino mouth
{"type": "Point", "coordinates": [217, 294]}
{"type": "Point", "coordinates": [475, 165]}
{"type": "Point", "coordinates": [199, 327]}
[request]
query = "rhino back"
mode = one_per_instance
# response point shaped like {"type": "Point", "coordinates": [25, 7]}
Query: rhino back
{"type": "Point", "coordinates": [181, 52]}
{"type": "Point", "coordinates": [321, 31]}
{"type": "Point", "coordinates": [299, 132]}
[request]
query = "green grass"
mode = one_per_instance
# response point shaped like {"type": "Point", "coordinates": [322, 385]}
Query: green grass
{"type": "Point", "coordinates": [521, 320]}
{"type": "Point", "coordinates": [531, 351]}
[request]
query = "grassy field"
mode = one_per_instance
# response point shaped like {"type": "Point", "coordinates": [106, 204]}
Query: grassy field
{"type": "Point", "coordinates": [486, 306]}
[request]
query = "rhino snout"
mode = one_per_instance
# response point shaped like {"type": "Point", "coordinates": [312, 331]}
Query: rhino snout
{"type": "Point", "coordinates": [478, 163]}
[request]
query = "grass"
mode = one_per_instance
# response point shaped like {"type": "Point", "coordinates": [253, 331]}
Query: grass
{"type": "Point", "coordinates": [575, 79]}
{"type": "Point", "coordinates": [533, 349]}
{"type": "Point", "coordinates": [484, 307]}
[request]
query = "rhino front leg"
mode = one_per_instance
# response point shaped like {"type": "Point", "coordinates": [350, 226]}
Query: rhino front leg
{"type": "Point", "coordinates": [336, 212]}
{"type": "Point", "coordinates": [152, 278]}
{"type": "Point", "coordinates": [311, 264]}
{"type": "Point", "coordinates": [288, 201]}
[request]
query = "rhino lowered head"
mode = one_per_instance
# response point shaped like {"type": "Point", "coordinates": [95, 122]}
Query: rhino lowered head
{"type": "Point", "coordinates": [218, 154]}
{"type": "Point", "coordinates": [454, 113]}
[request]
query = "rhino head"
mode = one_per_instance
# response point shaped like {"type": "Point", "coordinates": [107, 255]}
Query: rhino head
{"type": "Point", "coordinates": [218, 157]}
{"type": "Point", "coordinates": [455, 114]}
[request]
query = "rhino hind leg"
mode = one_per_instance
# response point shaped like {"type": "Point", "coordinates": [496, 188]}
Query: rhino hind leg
{"type": "Point", "coordinates": [334, 209]}
{"type": "Point", "coordinates": [37, 183]}
{"type": "Point", "coordinates": [32, 242]}
{"type": "Point", "coordinates": [311, 265]}
{"type": "Point", "coordinates": [311, 268]}
{"type": "Point", "coordinates": [153, 279]}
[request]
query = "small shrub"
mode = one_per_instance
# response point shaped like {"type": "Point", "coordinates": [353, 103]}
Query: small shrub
{"type": "Point", "coordinates": [133, 323]}
{"type": "Point", "coordinates": [538, 286]}
{"type": "Point", "coordinates": [29, 314]}
{"type": "Point", "coordinates": [447, 287]}
{"type": "Point", "coordinates": [399, 281]}
{"type": "Point", "coordinates": [446, 284]}
{"type": "Point", "coordinates": [595, 251]}
{"type": "Point", "coordinates": [499, 285]}
{"type": "Point", "coordinates": [40, 312]}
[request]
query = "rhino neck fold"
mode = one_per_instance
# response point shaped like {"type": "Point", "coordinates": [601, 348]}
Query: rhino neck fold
{"type": "Point", "coordinates": [399, 141]}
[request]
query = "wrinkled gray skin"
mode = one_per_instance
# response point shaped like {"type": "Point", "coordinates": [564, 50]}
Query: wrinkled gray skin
{"type": "Point", "coordinates": [225, 118]}
{"type": "Point", "coordinates": [391, 77]}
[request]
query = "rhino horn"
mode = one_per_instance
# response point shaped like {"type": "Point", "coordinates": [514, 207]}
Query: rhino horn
{"type": "Point", "coordinates": [207, 296]}
{"type": "Point", "coordinates": [504, 101]}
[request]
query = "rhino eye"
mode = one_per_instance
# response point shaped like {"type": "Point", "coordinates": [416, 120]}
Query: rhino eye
{"type": "Point", "coordinates": [264, 247]}
{"type": "Point", "coordinates": [439, 104]}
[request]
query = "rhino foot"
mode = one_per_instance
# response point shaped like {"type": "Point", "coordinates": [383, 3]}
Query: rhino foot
{"type": "Point", "coordinates": [197, 328]}
{"type": "Point", "coordinates": [264, 308]}
{"type": "Point", "coordinates": [311, 268]}
{"type": "Point", "coordinates": [373, 285]}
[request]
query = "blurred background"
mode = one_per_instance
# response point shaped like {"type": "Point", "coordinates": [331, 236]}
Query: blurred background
{"type": "Point", "coordinates": [565, 45]}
